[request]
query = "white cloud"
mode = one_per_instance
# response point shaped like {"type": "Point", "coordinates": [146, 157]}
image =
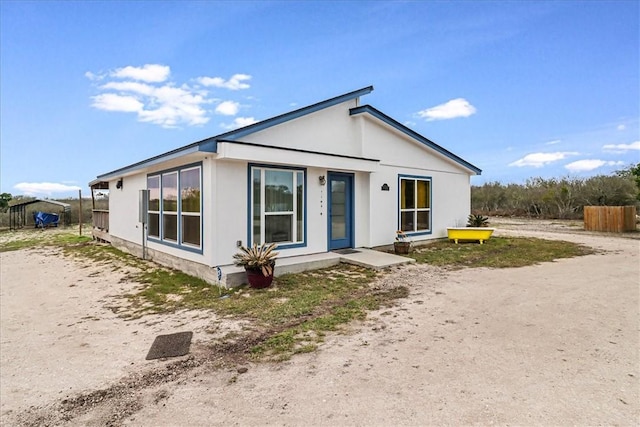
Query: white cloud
{"type": "Point", "coordinates": [590, 164]}
{"type": "Point", "coordinates": [92, 76]}
{"type": "Point", "coordinates": [140, 88]}
{"type": "Point", "coordinates": [152, 73]}
{"type": "Point", "coordinates": [164, 104]}
{"type": "Point", "coordinates": [622, 148]}
{"type": "Point", "coordinates": [228, 108]}
{"type": "Point", "coordinates": [458, 107]}
{"type": "Point", "coordinates": [234, 83]}
{"type": "Point", "coordinates": [44, 188]}
{"type": "Point", "coordinates": [554, 142]}
{"type": "Point", "coordinates": [538, 160]}
{"type": "Point", "coordinates": [115, 102]}
{"type": "Point", "coordinates": [239, 122]}
{"type": "Point", "coordinates": [621, 127]}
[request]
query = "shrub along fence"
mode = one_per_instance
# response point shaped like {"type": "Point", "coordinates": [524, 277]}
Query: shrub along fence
{"type": "Point", "coordinates": [616, 219]}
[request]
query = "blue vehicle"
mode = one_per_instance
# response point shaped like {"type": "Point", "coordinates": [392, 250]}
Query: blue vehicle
{"type": "Point", "coordinates": [43, 220]}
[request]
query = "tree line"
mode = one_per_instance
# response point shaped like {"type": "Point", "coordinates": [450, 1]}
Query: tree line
{"type": "Point", "coordinates": [557, 197]}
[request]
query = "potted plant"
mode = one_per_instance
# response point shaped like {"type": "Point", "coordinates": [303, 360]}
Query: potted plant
{"type": "Point", "coordinates": [477, 221]}
{"type": "Point", "coordinates": [259, 262]}
{"type": "Point", "coordinates": [402, 245]}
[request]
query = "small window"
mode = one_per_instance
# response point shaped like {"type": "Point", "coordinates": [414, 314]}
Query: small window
{"type": "Point", "coordinates": [415, 205]}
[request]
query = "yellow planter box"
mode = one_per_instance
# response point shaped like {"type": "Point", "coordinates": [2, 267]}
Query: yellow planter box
{"type": "Point", "coordinates": [469, 233]}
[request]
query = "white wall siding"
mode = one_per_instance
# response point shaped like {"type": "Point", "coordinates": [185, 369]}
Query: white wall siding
{"type": "Point", "coordinates": [450, 203]}
{"type": "Point", "coordinates": [231, 214]}
{"type": "Point", "coordinates": [330, 130]}
{"type": "Point", "coordinates": [362, 210]}
{"type": "Point", "coordinates": [123, 208]}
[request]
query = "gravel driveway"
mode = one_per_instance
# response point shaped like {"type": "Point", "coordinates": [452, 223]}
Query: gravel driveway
{"type": "Point", "coordinates": [550, 344]}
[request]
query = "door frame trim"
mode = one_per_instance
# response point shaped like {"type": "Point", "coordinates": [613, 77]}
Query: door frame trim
{"type": "Point", "coordinates": [352, 179]}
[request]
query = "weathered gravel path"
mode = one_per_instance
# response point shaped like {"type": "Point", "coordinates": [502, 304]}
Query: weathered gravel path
{"type": "Point", "coordinates": [551, 344]}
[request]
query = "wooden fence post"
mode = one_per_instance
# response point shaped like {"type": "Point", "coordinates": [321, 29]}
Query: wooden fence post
{"type": "Point", "coordinates": [80, 213]}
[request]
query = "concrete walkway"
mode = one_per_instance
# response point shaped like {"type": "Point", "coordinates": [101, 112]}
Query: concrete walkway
{"type": "Point", "coordinates": [369, 258]}
{"type": "Point", "coordinates": [374, 259]}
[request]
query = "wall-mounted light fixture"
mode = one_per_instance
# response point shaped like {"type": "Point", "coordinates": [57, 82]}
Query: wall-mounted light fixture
{"type": "Point", "coordinates": [119, 184]}
{"type": "Point", "coordinates": [385, 187]}
{"type": "Point", "coordinates": [322, 180]}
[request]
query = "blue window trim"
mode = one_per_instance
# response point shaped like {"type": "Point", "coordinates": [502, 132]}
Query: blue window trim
{"type": "Point", "coordinates": [178, 245]}
{"type": "Point", "coordinates": [304, 204]}
{"type": "Point", "coordinates": [424, 178]}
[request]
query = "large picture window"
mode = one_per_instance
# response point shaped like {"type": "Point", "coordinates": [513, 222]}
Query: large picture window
{"type": "Point", "coordinates": [175, 205]}
{"type": "Point", "coordinates": [415, 204]}
{"type": "Point", "coordinates": [277, 205]}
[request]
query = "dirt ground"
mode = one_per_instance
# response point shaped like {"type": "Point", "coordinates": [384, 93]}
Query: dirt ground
{"type": "Point", "coordinates": [551, 344]}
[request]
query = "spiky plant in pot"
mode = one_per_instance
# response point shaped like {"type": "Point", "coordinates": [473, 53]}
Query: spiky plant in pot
{"type": "Point", "coordinates": [257, 258]}
{"type": "Point", "coordinates": [477, 221]}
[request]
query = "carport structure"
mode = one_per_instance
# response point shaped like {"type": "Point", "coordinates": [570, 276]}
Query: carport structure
{"type": "Point", "coordinates": [18, 212]}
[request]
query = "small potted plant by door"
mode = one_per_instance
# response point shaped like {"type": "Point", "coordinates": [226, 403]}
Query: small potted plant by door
{"type": "Point", "coordinates": [402, 245]}
{"type": "Point", "coordinates": [259, 262]}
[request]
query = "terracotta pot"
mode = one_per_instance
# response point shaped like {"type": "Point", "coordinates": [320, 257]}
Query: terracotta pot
{"type": "Point", "coordinates": [257, 280]}
{"type": "Point", "coordinates": [402, 247]}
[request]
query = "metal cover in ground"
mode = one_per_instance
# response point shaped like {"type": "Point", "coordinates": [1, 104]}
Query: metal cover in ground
{"type": "Point", "coordinates": [171, 345]}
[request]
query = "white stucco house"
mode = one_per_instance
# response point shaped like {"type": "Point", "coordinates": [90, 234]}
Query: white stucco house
{"type": "Point", "coordinates": [332, 175]}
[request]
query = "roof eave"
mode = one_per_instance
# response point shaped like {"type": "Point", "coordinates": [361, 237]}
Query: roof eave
{"type": "Point", "coordinates": [415, 135]}
{"type": "Point", "coordinates": [265, 124]}
{"type": "Point", "coordinates": [210, 145]}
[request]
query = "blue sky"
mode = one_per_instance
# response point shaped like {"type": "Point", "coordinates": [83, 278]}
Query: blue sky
{"type": "Point", "coordinates": [520, 89]}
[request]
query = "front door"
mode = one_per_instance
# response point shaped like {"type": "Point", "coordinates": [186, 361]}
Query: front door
{"type": "Point", "coordinates": [340, 210]}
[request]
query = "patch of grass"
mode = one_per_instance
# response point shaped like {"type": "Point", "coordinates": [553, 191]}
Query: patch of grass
{"type": "Point", "coordinates": [294, 314]}
{"type": "Point", "coordinates": [498, 252]}
{"type": "Point", "coordinates": [303, 337]}
{"type": "Point", "coordinates": [40, 238]}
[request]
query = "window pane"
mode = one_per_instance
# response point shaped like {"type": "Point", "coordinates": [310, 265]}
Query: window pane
{"type": "Point", "coordinates": [170, 192]}
{"type": "Point", "coordinates": [407, 194]}
{"type": "Point", "coordinates": [423, 194]}
{"type": "Point", "coordinates": [299, 205]}
{"type": "Point", "coordinates": [153, 185]}
{"type": "Point", "coordinates": [406, 221]}
{"type": "Point", "coordinates": [190, 190]}
{"type": "Point", "coordinates": [170, 227]}
{"type": "Point", "coordinates": [338, 208]}
{"type": "Point", "coordinates": [278, 228]}
{"type": "Point", "coordinates": [256, 206]}
{"type": "Point", "coordinates": [278, 191]}
{"type": "Point", "coordinates": [423, 220]}
{"type": "Point", "coordinates": [154, 225]}
{"type": "Point", "coordinates": [191, 229]}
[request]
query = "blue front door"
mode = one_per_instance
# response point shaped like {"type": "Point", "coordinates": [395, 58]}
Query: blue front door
{"type": "Point", "coordinates": [340, 210]}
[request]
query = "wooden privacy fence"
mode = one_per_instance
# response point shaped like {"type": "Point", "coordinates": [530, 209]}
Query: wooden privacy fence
{"type": "Point", "coordinates": [616, 219]}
